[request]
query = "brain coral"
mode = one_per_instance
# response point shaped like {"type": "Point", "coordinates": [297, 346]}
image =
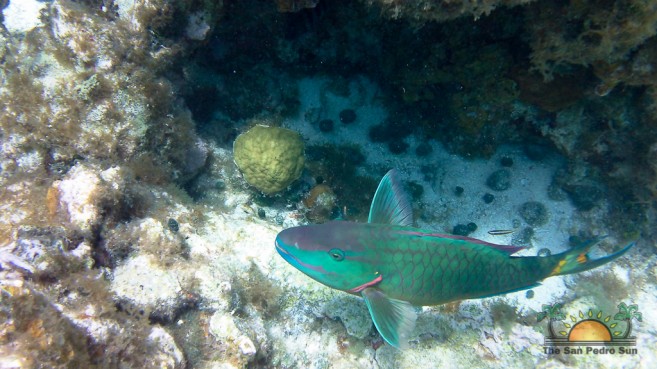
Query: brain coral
{"type": "Point", "coordinates": [269, 157]}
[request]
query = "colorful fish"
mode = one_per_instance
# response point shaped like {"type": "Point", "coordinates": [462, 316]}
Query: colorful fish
{"type": "Point", "coordinates": [394, 266]}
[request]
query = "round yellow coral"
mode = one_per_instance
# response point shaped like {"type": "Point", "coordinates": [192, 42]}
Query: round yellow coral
{"type": "Point", "coordinates": [270, 158]}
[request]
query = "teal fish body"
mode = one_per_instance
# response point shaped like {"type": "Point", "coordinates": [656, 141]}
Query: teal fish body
{"type": "Point", "coordinates": [409, 264]}
{"type": "Point", "coordinates": [394, 266]}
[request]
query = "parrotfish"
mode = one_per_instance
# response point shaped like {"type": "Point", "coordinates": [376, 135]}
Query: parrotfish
{"type": "Point", "coordinates": [395, 266]}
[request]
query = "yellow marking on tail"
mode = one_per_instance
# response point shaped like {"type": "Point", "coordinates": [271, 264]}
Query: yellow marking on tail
{"type": "Point", "coordinates": [581, 258]}
{"type": "Point", "coordinates": [557, 269]}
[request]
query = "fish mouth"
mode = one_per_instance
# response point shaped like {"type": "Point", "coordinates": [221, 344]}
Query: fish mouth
{"type": "Point", "coordinates": [286, 254]}
{"type": "Point", "coordinates": [291, 258]}
{"type": "Point", "coordinates": [297, 263]}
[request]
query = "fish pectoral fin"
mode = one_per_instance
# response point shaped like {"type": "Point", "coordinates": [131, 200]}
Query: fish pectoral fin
{"type": "Point", "coordinates": [394, 319]}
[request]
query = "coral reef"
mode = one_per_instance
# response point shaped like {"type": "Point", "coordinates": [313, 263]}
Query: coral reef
{"type": "Point", "coordinates": [128, 237]}
{"type": "Point", "coordinates": [58, 313]}
{"type": "Point", "coordinates": [270, 158]}
{"type": "Point", "coordinates": [83, 103]}
{"type": "Point", "coordinates": [468, 85]}
{"type": "Point", "coordinates": [587, 32]}
{"type": "Point", "coordinates": [38, 331]}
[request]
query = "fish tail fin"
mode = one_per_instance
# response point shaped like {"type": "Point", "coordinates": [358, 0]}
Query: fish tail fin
{"type": "Point", "coordinates": [578, 259]}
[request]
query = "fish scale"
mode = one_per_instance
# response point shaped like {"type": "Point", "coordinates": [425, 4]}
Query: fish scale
{"type": "Point", "coordinates": [394, 266]}
{"type": "Point", "coordinates": [431, 271]}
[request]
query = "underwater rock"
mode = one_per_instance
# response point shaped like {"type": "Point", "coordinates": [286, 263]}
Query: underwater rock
{"type": "Point", "coordinates": [93, 97]}
{"type": "Point", "coordinates": [152, 289]}
{"type": "Point", "coordinates": [557, 42]}
{"type": "Point", "coordinates": [212, 182]}
{"type": "Point", "coordinates": [536, 152]}
{"type": "Point", "coordinates": [197, 26]}
{"type": "Point", "coordinates": [556, 193]}
{"type": "Point", "coordinates": [270, 158]}
{"type": "Point", "coordinates": [49, 251]}
{"type": "Point", "coordinates": [584, 197]}
{"type": "Point", "coordinates": [87, 197]}
{"type": "Point", "coordinates": [499, 180]}
{"type": "Point", "coordinates": [78, 331]}
{"type": "Point", "coordinates": [148, 236]}
{"type": "Point", "coordinates": [534, 213]}
{"type": "Point", "coordinates": [35, 333]}
{"type": "Point", "coordinates": [488, 198]}
{"type": "Point", "coordinates": [555, 95]}
{"type": "Point", "coordinates": [524, 337]}
{"type": "Point", "coordinates": [22, 16]}
{"type": "Point", "coordinates": [163, 350]}
{"type": "Point", "coordinates": [79, 193]}
{"type": "Point", "coordinates": [353, 314]}
{"type": "Point", "coordinates": [195, 158]}
{"type": "Point", "coordinates": [239, 348]}
{"type": "Point", "coordinates": [320, 201]}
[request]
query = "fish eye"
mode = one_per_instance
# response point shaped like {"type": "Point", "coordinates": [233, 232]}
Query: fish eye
{"type": "Point", "coordinates": [336, 254]}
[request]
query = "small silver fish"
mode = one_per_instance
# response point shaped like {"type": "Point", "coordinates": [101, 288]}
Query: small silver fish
{"type": "Point", "coordinates": [500, 232]}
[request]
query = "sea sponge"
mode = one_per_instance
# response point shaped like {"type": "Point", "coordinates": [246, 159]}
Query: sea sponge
{"type": "Point", "coordinates": [270, 158]}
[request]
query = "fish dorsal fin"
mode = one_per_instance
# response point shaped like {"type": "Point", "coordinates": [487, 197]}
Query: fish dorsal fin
{"type": "Point", "coordinates": [390, 204]}
{"type": "Point", "coordinates": [394, 319]}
